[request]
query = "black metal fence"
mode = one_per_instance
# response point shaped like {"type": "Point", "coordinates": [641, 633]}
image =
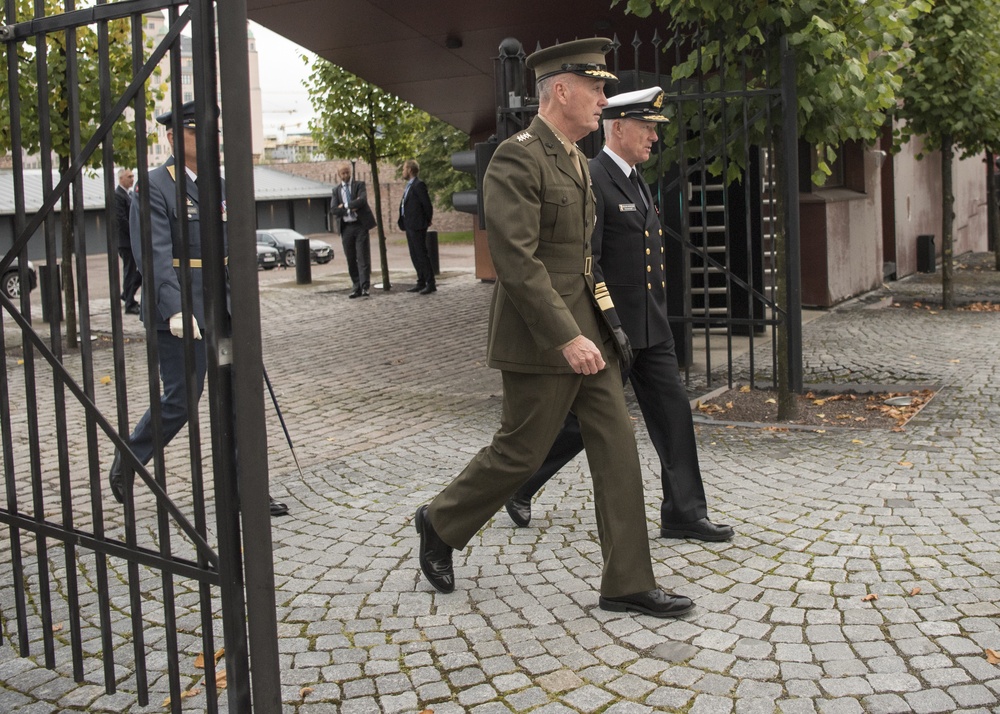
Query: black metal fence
{"type": "Point", "coordinates": [716, 180]}
{"type": "Point", "coordinates": [131, 591]}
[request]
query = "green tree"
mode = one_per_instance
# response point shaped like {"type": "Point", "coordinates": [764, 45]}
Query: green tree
{"type": "Point", "coordinates": [357, 119]}
{"type": "Point", "coordinates": [58, 96]}
{"type": "Point", "coordinates": [438, 142]}
{"type": "Point", "coordinates": [950, 96]}
{"type": "Point", "coordinates": [846, 52]}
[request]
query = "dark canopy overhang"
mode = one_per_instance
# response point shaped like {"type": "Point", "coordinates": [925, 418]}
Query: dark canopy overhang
{"type": "Point", "coordinates": [438, 55]}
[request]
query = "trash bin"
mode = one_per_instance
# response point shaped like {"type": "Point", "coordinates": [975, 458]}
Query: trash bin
{"type": "Point", "coordinates": [46, 276]}
{"type": "Point", "coordinates": [926, 261]}
{"type": "Point", "coordinates": [432, 251]}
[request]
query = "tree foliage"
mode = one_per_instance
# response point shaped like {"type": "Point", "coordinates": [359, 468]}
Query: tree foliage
{"type": "Point", "coordinates": [56, 92]}
{"type": "Point", "coordinates": [847, 53]}
{"type": "Point", "coordinates": [438, 143]}
{"type": "Point", "coordinates": [952, 85]}
{"type": "Point", "coordinates": [950, 97]}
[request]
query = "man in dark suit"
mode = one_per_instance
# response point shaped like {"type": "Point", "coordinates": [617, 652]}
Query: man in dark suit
{"type": "Point", "coordinates": [415, 214]}
{"type": "Point", "coordinates": [354, 218]}
{"type": "Point", "coordinates": [162, 308]}
{"type": "Point", "coordinates": [549, 336]}
{"type": "Point", "coordinates": [629, 259]}
{"type": "Point", "coordinates": [130, 280]}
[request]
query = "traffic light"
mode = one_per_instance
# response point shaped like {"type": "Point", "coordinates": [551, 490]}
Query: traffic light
{"type": "Point", "coordinates": [474, 161]}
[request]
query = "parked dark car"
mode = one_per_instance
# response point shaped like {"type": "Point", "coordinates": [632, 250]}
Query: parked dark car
{"type": "Point", "coordinates": [268, 258]}
{"type": "Point", "coordinates": [283, 240]}
{"type": "Point", "coordinates": [11, 283]}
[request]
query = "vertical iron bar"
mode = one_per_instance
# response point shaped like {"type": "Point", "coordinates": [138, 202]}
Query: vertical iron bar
{"type": "Point", "coordinates": [772, 203]}
{"type": "Point", "coordinates": [38, 501]}
{"type": "Point", "coordinates": [251, 430]}
{"type": "Point", "coordinates": [142, 168]}
{"type": "Point", "coordinates": [17, 158]}
{"type": "Point", "coordinates": [749, 177]}
{"type": "Point", "coordinates": [728, 268]}
{"type": "Point", "coordinates": [86, 350]}
{"type": "Point", "coordinates": [162, 517]}
{"type": "Point", "coordinates": [790, 179]}
{"type": "Point", "coordinates": [703, 185]}
{"type": "Point", "coordinates": [96, 502]}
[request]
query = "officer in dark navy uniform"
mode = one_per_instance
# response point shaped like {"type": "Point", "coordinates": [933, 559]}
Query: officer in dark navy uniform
{"type": "Point", "coordinates": [629, 261]}
{"type": "Point", "coordinates": [162, 307]}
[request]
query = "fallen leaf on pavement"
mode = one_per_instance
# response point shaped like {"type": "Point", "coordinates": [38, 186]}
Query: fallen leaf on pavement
{"type": "Point", "coordinates": [305, 691]}
{"type": "Point", "coordinates": [993, 657]}
{"type": "Point", "coordinates": [870, 596]}
{"type": "Point", "coordinates": [915, 591]}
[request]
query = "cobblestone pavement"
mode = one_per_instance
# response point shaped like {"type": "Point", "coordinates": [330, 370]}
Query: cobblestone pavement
{"type": "Point", "coordinates": [388, 398]}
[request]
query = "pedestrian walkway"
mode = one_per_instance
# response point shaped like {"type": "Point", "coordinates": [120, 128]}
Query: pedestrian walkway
{"type": "Point", "coordinates": [387, 399]}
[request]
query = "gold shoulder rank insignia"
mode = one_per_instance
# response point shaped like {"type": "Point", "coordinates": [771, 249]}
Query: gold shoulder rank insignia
{"type": "Point", "coordinates": [524, 136]}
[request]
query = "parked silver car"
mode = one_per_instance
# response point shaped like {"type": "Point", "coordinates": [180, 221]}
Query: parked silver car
{"type": "Point", "coordinates": [11, 281]}
{"type": "Point", "coordinates": [283, 239]}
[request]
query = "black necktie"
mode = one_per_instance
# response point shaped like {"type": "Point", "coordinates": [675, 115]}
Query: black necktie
{"type": "Point", "coordinates": [638, 187]}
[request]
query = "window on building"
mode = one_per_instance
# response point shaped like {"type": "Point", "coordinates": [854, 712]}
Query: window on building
{"type": "Point", "coordinates": [847, 169]}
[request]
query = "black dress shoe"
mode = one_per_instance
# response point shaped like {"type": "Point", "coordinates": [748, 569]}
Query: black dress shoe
{"type": "Point", "coordinates": [364, 293]}
{"type": "Point", "coordinates": [428, 290]}
{"type": "Point", "coordinates": [116, 476]}
{"type": "Point", "coordinates": [435, 554]}
{"type": "Point", "coordinates": [132, 309]}
{"type": "Point", "coordinates": [278, 508]}
{"type": "Point", "coordinates": [519, 510]}
{"type": "Point", "coordinates": [702, 529]}
{"type": "Point", "coordinates": [355, 294]}
{"type": "Point", "coordinates": [657, 603]}
{"type": "Point", "coordinates": [416, 288]}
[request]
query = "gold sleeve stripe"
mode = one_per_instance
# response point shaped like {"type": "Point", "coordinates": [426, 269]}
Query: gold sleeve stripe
{"type": "Point", "coordinates": [603, 297]}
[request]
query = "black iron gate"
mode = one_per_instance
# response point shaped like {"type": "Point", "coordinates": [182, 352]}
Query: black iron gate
{"type": "Point", "coordinates": [113, 584]}
{"type": "Point", "coordinates": [716, 179]}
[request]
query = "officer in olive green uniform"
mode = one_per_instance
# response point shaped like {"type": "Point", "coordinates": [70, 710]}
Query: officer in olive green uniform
{"type": "Point", "coordinates": [549, 337]}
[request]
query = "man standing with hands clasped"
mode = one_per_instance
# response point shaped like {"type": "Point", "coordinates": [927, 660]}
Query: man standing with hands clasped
{"type": "Point", "coordinates": [629, 259]}
{"type": "Point", "coordinates": [355, 218]}
{"type": "Point", "coordinates": [550, 337]}
{"type": "Point", "coordinates": [162, 309]}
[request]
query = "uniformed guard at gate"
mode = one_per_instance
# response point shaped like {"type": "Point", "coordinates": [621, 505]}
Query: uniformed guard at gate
{"type": "Point", "coordinates": [161, 304]}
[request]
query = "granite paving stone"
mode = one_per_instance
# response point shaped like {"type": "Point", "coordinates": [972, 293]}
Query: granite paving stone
{"type": "Point", "coordinates": [389, 399]}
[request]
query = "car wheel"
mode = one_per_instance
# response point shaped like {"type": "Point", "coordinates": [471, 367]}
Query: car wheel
{"type": "Point", "coordinates": [290, 258]}
{"type": "Point", "coordinates": [12, 285]}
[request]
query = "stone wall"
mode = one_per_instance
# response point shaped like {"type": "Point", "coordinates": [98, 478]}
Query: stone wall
{"type": "Point", "coordinates": [391, 192]}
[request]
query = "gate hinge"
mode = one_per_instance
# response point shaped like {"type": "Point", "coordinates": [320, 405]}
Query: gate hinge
{"type": "Point", "coordinates": [225, 351]}
{"type": "Point", "coordinates": [6, 32]}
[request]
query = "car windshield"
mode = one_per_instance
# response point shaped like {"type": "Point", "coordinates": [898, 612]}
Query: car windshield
{"type": "Point", "coordinates": [286, 234]}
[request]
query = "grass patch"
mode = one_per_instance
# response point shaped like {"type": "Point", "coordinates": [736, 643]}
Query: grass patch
{"type": "Point", "coordinates": [455, 237]}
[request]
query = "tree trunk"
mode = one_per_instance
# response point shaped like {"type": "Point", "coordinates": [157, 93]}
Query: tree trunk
{"type": "Point", "coordinates": [376, 187]}
{"type": "Point", "coordinates": [947, 222]}
{"type": "Point", "coordinates": [788, 406]}
{"type": "Point", "coordinates": [69, 293]}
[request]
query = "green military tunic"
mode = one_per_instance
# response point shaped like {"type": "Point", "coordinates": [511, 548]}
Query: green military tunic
{"type": "Point", "coordinates": [539, 216]}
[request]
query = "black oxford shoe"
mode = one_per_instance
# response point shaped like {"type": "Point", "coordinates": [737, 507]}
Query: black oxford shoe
{"type": "Point", "coordinates": [435, 554]}
{"type": "Point", "coordinates": [702, 529]}
{"type": "Point", "coordinates": [428, 290]}
{"type": "Point", "coordinates": [657, 603]}
{"type": "Point", "coordinates": [278, 508]}
{"type": "Point", "coordinates": [355, 294]}
{"type": "Point", "coordinates": [416, 288]}
{"type": "Point", "coordinates": [519, 510]}
{"type": "Point", "coordinates": [116, 477]}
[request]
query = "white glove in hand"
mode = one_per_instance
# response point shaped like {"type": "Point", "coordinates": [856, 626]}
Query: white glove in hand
{"type": "Point", "coordinates": [177, 326]}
